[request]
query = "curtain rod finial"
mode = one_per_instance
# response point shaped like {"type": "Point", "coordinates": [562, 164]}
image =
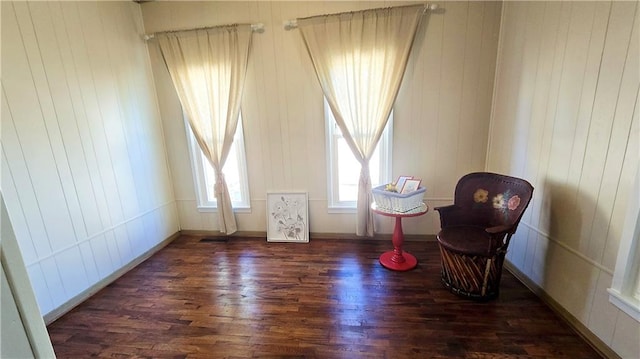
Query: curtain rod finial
{"type": "Point", "coordinates": [259, 28]}
{"type": "Point", "coordinates": [432, 6]}
{"type": "Point", "coordinates": [290, 24]}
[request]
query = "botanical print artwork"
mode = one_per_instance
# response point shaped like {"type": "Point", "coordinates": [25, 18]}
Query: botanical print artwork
{"type": "Point", "coordinates": [288, 214]}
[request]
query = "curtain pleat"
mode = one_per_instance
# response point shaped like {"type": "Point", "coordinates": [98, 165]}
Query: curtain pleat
{"type": "Point", "coordinates": [360, 59]}
{"type": "Point", "coordinates": [208, 69]}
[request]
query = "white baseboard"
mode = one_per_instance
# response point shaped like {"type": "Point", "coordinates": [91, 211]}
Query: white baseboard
{"type": "Point", "coordinates": [87, 293]}
{"type": "Point", "coordinates": [312, 235]}
{"type": "Point", "coordinates": [596, 343]}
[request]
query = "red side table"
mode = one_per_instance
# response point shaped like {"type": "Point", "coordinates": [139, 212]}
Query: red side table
{"type": "Point", "coordinates": [397, 259]}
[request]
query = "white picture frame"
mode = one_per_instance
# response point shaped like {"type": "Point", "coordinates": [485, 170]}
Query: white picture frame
{"type": "Point", "coordinates": [401, 181]}
{"type": "Point", "coordinates": [410, 185]}
{"type": "Point", "coordinates": [287, 217]}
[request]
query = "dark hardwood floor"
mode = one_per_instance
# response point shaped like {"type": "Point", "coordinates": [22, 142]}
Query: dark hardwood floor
{"type": "Point", "coordinates": [329, 298]}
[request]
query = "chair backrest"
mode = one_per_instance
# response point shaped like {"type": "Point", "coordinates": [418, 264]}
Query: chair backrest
{"type": "Point", "coordinates": [491, 199]}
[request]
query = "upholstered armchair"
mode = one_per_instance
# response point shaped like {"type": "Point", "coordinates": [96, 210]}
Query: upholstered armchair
{"type": "Point", "coordinates": [476, 231]}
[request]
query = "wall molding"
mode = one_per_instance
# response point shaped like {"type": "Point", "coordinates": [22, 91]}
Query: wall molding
{"type": "Point", "coordinates": [433, 199]}
{"type": "Point", "coordinates": [596, 343]}
{"type": "Point", "coordinates": [87, 293]}
{"type": "Point", "coordinates": [102, 232]}
{"type": "Point", "coordinates": [312, 235]}
{"type": "Point", "coordinates": [569, 249]}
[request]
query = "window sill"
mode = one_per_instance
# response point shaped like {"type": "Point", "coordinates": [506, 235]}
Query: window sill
{"type": "Point", "coordinates": [337, 209]}
{"type": "Point", "coordinates": [627, 304]}
{"type": "Point", "coordinates": [215, 209]}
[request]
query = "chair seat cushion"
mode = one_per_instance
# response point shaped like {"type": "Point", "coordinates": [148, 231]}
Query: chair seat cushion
{"type": "Point", "coordinates": [468, 240]}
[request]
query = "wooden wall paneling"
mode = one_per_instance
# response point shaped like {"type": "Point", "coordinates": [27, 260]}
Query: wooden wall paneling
{"type": "Point", "coordinates": [40, 287]}
{"type": "Point", "coordinates": [109, 101]}
{"type": "Point", "coordinates": [526, 130]}
{"type": "Point", "coordinates": [426, 120]}
{"type": "Point", "coordinates": [145, 146]}
{"type": "Point", "coordinates": [173, 126]}
{"type": "Point", "coordinates": [20, 191]}
{"type": "Point", "coordinates": [508, 76]}
{"type": "Point", "coordinates": [169, 222]}
{"type": "Point", "coordinates": [605, 104]}
{"type": "Point", "coordinates": [523, 98]}
{"type": "Point", "coordinates": [58, 64]}
{"type": "Point", "coordinates": [571, 77]}
{"type": "Point", "coordinates": [283, 115]}
{"type": "Point", "coordinates": [113, 249]}
{"type": "Point", "coordinates": [99, 161]}
{"type": "Point", "coordinates": [143, 236]}
{"type": "Point", "coordinates": [103, 258]}
{"type": "Point", "coordinates": [572, 88]}
{"type": "Point", "coordinates": [546, 187]}
{"type": "Point", "coordinates": [18, 219]}
{"type": "Point", "coordinates": [89, 262]}
{"type": "Point", "coordinates": [455, 23]}
{"type": "Point", "coordinates": [30, 128]}
{"type": "Point", "coordinates": [90, 185]}
{"type": "Point", "coordinates": [272, 145]}
{"type": "Point", "coordinates": [583, 124]}
{"type": "Point", "coordinates": [540, 124]}
{"type": "Point", "coordinates": [488, 53]}
{"type": "Point", "coordinates": [55, 283]}
{"type": "Point", "coordinates": [514, 48]}
{"type": "Point", "coordinates": [16, 182]}
{"type": "Point", "coordinates": [147, 124]}
{"type": "Point", "coordinates": [117, 170]}
{"type": "Point", "coordinates": [521, 59]}
{"type": "Point", "coordinates": [71, 139]}
{"type": "Point", "coordinates": [253, 111]}
{"type": "Point", "coordinates": [619, 146]}
{"type": "Point", "coordinates": [623, 194]}
{"type": "Point", "coordinates": [108, 105]}
{"type": "Point", "coordinates": [301, 169]}
{"type": "Point", "coordinates": [48, 72]}
{"type": "Point", "coordinates": [72, 271]}
{"type": "Point", "coordinates": [543, 62]}
{"type": "Point", "coordinates": [408, 117]}
{"type": "Point", "coordinates": [469, 87]}
{"type": "Point", "coordinates": [137, 187]}
{"type": "Point", "coordinates": [588, 90]}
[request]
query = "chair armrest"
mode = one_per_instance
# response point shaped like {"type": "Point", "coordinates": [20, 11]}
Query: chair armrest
{"type": "Point", "coordinates": [449, 215]}
{"type": "Point", "coordinates": [498, 229]}
{"type": "Point", "coordinates": [448, 208]}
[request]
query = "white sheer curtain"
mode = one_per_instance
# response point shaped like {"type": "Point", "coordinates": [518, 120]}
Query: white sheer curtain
{"type": "Point", "coordinates": [208, 69]}
{"type": "Point", "coordinates": [360, 59]}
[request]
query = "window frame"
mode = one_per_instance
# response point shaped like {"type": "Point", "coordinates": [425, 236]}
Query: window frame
{"type": "Point", "coordinates": [625, 288]}
{"type": "Point", "coordinates": [385, 147]}
{"type": "Point", "coordinates": [198, 161]}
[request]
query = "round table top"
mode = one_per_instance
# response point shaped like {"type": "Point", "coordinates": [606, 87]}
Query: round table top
{"type": "Point", "coordinates": [418, 211]}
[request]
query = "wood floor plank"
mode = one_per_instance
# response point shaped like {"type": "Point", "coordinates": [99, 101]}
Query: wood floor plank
{"type": "Point", "coordinates": [329, 298]}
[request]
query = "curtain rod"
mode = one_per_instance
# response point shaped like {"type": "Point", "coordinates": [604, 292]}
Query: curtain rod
{"type": "Point", "coordinates": [293, 24]}
{"type": "Point", "coordinates": [259, 28]}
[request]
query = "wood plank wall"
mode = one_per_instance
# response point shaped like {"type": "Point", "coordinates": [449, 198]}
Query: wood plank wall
{"type": "Point", "coordinates": [566, 118]}
{"type": "Point", "coordinates": [84, 170]}
{"type": "Point", "coordinates": [441, 114]}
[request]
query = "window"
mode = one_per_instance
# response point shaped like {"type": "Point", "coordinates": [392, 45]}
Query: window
{"type": "Point", "coordinates": [235, 172]}
{"type": "Point", "coordinates": [625, 289]}
{"type": "Point", "coordinates": [344, 170]}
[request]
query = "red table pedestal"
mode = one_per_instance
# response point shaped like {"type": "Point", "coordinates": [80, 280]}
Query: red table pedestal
{"type": "Point", "coordinates": [397, 259]}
